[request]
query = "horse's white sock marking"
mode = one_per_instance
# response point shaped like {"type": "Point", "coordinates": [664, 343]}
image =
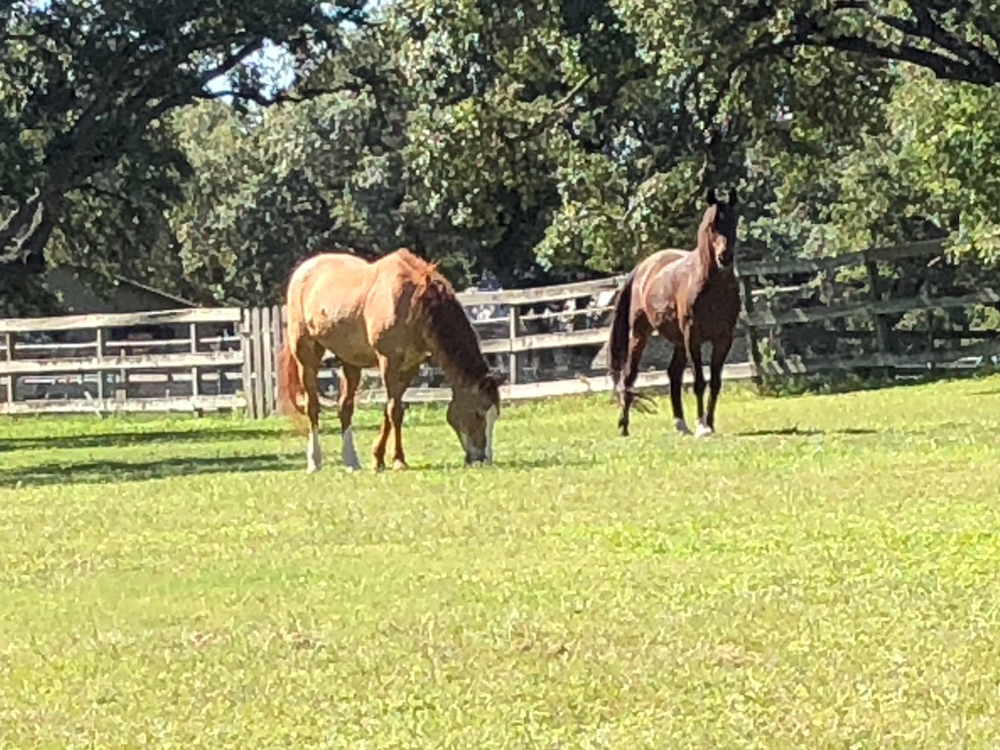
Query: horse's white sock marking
{"type": "Point", "coordinates": [347, 450]}
{"type": "Point", "coordinates": [681, 426]}
{"type": "Point", "coordinates": [314, 454]}
{"type": "Point", "coordinates": [702, 430]}
{"type": "Point", "coordinates": [491, 418]}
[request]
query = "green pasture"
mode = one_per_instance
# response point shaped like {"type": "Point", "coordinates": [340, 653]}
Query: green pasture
{"type": "Point", "coordinates": [823, 573]}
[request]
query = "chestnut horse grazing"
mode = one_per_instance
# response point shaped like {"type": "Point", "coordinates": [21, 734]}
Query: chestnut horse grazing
{"type": "Point", "coordinates": [393, 314]}
{"type": "Point", "coordinates": [689, 297]}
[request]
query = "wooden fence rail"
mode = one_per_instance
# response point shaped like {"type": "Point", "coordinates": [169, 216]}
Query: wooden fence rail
{"type": "Point", "coordinates": [862, 314]}
{"type": "Point", "coordinates": [104, 374]}
{"type": "Point", "coordinates": [548, 340]}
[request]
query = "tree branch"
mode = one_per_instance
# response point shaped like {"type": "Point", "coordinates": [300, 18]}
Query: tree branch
{"type": "Point", "coordinates": [250, 45]}
{"type": "Point", "coordinates": [943, 67]}
{"type": "Point", "coordinates": [298, 95]}
{"type": "Point", "coordinates": [559, 111]}
{"type": "Point", "coordinates": [19, 227]}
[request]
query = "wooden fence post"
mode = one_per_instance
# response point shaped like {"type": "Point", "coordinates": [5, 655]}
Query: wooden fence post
{"type": "Point", "coordinates": [275, 341]}
{"type": "Point", "coordinates": [99, 344]}
{"type": "Point", "coordinates": [267, 361]}
{"type": "Point", "coordinates": [257, 334]}
{"type": "Point", "coordinates": [195, 385]}
{"type": "Point", "coordinates": [246, 336]}
{"type": "Point", "coordinates": [881, 332]}
{"type": "Point", "coordinates": [754, 345]}
{"type": "Point", "coordinates": [513, 330]}
{"type": "Point", "coordinates": [10, 380]}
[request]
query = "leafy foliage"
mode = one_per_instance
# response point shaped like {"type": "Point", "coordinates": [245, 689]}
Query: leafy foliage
{"type": "Point", "coordinates": [84, 81]}
{"type": "Point", "coordinates": [536, 140]}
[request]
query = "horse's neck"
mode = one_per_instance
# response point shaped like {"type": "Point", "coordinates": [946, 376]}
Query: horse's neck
{"type": "Point", "coordinates": [461, 360]}
{"type": "Point", "coordinates": [704, 264]}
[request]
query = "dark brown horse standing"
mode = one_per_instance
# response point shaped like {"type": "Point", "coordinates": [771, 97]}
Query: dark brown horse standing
{"type": "Point", "coordinates": [689, 297]}
{"type": "Point", "coordinates": [392, 314]}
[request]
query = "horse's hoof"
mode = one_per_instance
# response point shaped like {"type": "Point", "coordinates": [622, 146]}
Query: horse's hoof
{"type": "Point", "coordinates": [312, 469]}
{"type": "Point", "coordinates": [681, 426]}
{"type": "Point", "coordinates": [703, 430]}
{"type": "Point", "coordinates": [398, 465]}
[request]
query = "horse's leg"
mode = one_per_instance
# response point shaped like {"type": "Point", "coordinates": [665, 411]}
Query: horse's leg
{"type": "Point", "coordinates": [636, 347]}
{"type": "Point", "coordinates": [676, 372]}
{"type": "Point", "coordinates": [396, 382]}
{"type": "Point", "coordinates": [350, 377]}
{"type": "Point", "coordinates": [402, 382]}
{"type": "Point", "coordinates": [378, 450]}
{"type": "Point", "coordinates": [694, 354]}
{"type": "Point", "coordinates": [310, 358]}
{"type": "Point", "coordinates": [720, 350]}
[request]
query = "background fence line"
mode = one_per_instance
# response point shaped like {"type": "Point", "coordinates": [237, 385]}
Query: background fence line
{"type": "Point", "coordinates": [851, 313]}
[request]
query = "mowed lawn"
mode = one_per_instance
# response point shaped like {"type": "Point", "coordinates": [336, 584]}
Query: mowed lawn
{"type": "Point", "coordinates": [823, 573]}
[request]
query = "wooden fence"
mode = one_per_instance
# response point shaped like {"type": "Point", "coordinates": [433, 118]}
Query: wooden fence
{"type": "Point", "coordinates": [175, 360]}
{"type": "Point", "coordinates": [880, 309]}
{"type": "Point", "coordinates": [887, 310]}
{"type": "Point", "coordinates": [517, 339]}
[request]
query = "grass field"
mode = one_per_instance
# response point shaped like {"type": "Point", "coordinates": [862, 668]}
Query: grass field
{"type": "Point", "coordinates": [824, 573]}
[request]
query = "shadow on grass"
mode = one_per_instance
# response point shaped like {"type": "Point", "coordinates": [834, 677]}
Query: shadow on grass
{"type": "Point", "coordinates": [128, 471]}
{"type": "Point", "coordinates": [795, 431]}
{"type": "Point", "coordinates": [91, 472]}
{"type": "Point", "coordinates": [127, 439]}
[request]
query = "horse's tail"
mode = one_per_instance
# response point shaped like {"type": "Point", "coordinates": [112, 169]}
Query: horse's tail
{"type": "Point", "coordinates": [289, 382]}
{"type": "Point", "coordinates": [289, 370]}
{"type": "Point", "coordinates": [620, 331]}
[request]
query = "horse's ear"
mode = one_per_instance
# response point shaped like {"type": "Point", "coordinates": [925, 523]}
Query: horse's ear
{"type": "Point", "coordinates": [710, 198]}
{"type": "Point", "coordinates": [733, 197]}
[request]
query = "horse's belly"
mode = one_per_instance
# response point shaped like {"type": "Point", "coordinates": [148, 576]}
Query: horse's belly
{"type": "Point", "coordinates": [348, 342]}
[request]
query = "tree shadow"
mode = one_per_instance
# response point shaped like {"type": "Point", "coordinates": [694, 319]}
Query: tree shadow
{"type": "Point", "coordinates": [127, 439]}
{"type": "Point", "coordinates": [102, 472]}
{"type": "Point", "coordinates": [795, 431]}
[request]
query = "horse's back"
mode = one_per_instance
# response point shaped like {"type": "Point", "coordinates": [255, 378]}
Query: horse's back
{"type": "Point", "coordinates": [326, 300]}
{"type": "Point", "coordinates": [400, 277]}
{"type": "Point", "coordinates": [355, 307]}
{"type": "Point", "coordinates": [334, 284]}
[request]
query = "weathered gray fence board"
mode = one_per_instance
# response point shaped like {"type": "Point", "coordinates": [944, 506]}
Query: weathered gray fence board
{"type": "Point", "coordinates": [121, 320]}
